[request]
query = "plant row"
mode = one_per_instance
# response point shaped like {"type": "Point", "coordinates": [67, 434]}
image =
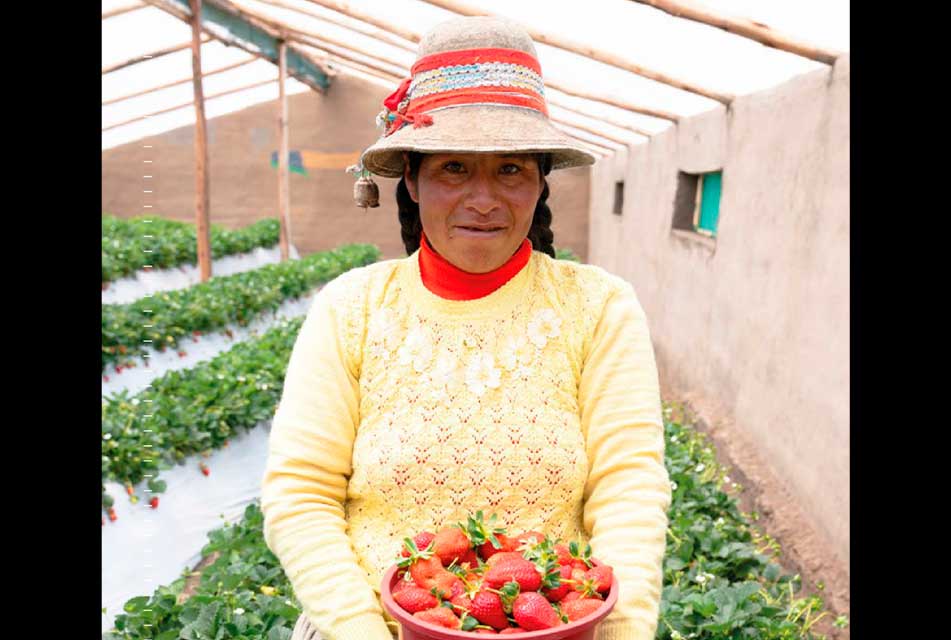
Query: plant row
{"type": "Point", "coordinates": [193, 411]}
{"type": "Point", "coordinates": [130, 243]}
{"type": "Point", "coordinates": [160, 321]}
{"type": "Point", "coordinates": [721, 577]}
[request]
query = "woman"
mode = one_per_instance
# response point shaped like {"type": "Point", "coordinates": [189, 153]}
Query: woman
{"type": "Point", "coordinates": [477, 373]}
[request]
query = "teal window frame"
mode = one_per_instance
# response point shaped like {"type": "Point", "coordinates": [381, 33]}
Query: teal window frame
{"type": "Point", "coordinates": [706, 215]}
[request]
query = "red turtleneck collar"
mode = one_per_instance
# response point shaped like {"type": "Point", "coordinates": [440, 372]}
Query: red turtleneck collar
{"type": "Point", "coordinates": [449, 281]}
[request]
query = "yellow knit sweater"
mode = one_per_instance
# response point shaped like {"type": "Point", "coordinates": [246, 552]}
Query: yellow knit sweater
{"type": "Point", "coordinates": [403, 411]}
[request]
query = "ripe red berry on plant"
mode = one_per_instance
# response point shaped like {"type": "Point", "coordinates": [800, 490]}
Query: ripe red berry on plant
{"type": "Point", "coordinates": [475, 577]}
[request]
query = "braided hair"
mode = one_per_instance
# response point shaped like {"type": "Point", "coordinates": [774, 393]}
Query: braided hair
{"type": "Point", "coordinates": [540, 233]}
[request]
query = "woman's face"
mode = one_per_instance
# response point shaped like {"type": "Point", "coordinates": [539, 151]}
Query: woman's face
{"type": "Point", "coordinates": [476, 208]}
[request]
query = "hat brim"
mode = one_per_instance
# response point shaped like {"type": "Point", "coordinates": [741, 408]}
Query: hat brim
{"type": "Point", "coordinates": [480, 128]}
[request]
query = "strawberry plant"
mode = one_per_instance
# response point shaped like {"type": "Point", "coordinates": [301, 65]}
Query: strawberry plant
{"type": "Point", "coordinates": [244, 594]}
{"type": "Point", "coordinates": [566, 254]}
{"type": "Point", "coordinates": [129, 244]}
{"type": "Point", "coordinates": [163, 320]}
{"type": "Point", "coordinates": [721, 578]}
{"type": "Point", "coordinates": [195, 410]}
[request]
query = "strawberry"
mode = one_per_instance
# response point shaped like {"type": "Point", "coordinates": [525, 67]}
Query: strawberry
{"type": "Point", "coordinates": [105, 378]}
{"type": "Point", "coordinates": [421, 540]}
{"type": "Point", "coordinates": [196, 333]}
{"type": "Point", "coordinates": [533, 612]}
{"type": "Point", "coordinates": [521, 571]}
{"type": "Point", "coordinates": [570, 596]}
{"type": "Point", "coordinates": [425, 570]}
{"type": "Point", "coordinates": [112, 515]}
{"type": "Point", "coordinates": [507, 544]}
{"type": "Point", "coordinates": [469, 558]}
{"type": "Point", "coordinates": [118, 369]}
{"type": "Point", "coordinates": [439, 616]}
{"type": "Point", "coordinates": [510, 631]}
{"type": "Point", "coordinates": [461, 603]}
{"type": "Point", "coordinates": [154, 503]}
{"type": "Point", "coordinates": [413, 599]}
{"type": "Point", "coordinates": [128, 489]}
{"type": "Point", "coordinates": [487, 609]}
{"type": "Point", "coordinates": [581, 558]}
{"type": "Point", "coordinates": [529, 539]}
{"type": "Point", "coordinates": [182, 354]}
{"type": "Point", "coordinates": [450, 543]}
{"type": "Point", "coordinates": [564, 555]}
{"type": "Point", "coordinates": [580, 608]}
{"type": "Point", "coordinates": [205, 470]}
{"type": "Point", "coordinates": [447, 584]}
{"type": "Point", "coordinates": [504, 557]}
{"type": "Point", "coordinates": [602, 576]}
{"type": "Point", "coordinates": [565, 585]}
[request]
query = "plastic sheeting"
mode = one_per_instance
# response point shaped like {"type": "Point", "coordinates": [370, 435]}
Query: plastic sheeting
{"type": "Point", "coordinates": [146, 548]}
{"type": "Point", "coordinates": [141, 283]}
{"type": "Point", "coordinates": [206, 347]}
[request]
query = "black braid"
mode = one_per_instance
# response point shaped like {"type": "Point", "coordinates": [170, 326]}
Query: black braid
{"type": "Point", "coordinates": [540, 233]}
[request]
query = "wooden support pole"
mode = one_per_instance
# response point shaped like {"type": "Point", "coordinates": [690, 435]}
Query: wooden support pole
{"type": "Point", "coordinates": [168, 85]}
{"type": "Point", "coordinates": [149, 56]}
{"type": "Point", "coordinates": [376, 33]}
{"type": "Point", "coordinates": [594, 53]}
{"type": "Point", "coordinates": [283, 182]}
{"type": "Point", "coordinates": [743, 27]}
{"type": "Point", "coordinates": [202, 199]}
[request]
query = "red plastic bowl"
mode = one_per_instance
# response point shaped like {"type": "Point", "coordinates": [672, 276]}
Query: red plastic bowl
{"type": "Point", "coordinates": [416, 629]}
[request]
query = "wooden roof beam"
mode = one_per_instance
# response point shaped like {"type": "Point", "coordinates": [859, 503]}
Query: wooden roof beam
{"type": "Point", "coordinates": [190, 103]}
{"type": "Point", "coordinates": [302, 74]}
{"type": "Point", "coordinates": [124, 9]}
{"type": "Point", "coordinates": [149, 56]}
{"type": "Point", "coordinates": [594, 53]}
{"type": "Point", "coordinates": [744, 27]}
{"type": "Point", "coordinates": [356, 14]}
{"type": "Point", "coordinates": [372, 32]}
{"type": "Point", "coordinates": [177, 82]}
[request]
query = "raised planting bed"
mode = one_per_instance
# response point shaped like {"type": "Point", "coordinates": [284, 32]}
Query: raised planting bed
{"type": "Point", "coordinates": [721, 578]}
{"type": "Point", "coordinates": [187, 412]}
{"type": "Point", "coordinates": [160, 321]}
{"type": "Point", "coordinates": [130, 243]}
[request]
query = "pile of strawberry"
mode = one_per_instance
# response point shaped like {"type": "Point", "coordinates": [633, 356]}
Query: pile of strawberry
{"type": "Point", "coordinates": [475, 578]}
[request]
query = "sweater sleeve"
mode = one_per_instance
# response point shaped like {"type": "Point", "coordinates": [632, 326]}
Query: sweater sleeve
{"type": "Point", "coordinates": [305, 481]}
{"type": "Point", "coordinates": [627, 492]}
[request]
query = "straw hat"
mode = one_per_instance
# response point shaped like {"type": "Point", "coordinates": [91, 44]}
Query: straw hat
{"type": "Point", "coordinates": [476, 86]}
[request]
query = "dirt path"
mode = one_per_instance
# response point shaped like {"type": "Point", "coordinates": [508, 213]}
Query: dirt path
{"type": "Point", "coordinates": [801, 548]}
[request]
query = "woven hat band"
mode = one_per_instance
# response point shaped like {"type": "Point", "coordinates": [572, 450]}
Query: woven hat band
{"type": "Point", "coordinates": [467, 77]}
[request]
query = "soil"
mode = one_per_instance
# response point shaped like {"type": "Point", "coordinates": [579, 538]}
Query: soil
{"type": "Point", "coordinates": [773, 510]}
{"type": "Point", "coordinates": [194, 577]}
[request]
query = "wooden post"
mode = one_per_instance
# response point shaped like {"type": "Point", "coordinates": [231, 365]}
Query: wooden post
{"type": "Point", "coordinates": [283, 182]}
{"type": "Point", "coordinates": [202, 201]}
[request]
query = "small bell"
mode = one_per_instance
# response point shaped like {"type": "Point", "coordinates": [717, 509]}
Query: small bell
{"type": "Point", "coordinates": [366, 193]}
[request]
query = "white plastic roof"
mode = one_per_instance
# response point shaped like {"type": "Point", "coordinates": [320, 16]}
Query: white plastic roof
{"type": "Point", "coordinates": [681, 48]}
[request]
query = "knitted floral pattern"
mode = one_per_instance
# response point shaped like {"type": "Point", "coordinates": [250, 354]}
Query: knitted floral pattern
{"type": "Point", "coordinates": [462, 411]}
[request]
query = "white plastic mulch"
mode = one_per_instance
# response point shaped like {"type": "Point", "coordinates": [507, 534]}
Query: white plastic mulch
{"type": "Point", "coordinates": [134, 287]}
{"type": "Point", "coordinates": [198, 349]}
{"type": "Point", "coordinates": [146, 548]}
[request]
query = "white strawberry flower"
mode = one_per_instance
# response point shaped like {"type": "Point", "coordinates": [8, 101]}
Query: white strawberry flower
{"type": "Point", "coordinates": [545, 325]}
{"type": "Point", "coordinates": [417, 349]}
{"type": "Point", "coordinates": [482, 374]}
